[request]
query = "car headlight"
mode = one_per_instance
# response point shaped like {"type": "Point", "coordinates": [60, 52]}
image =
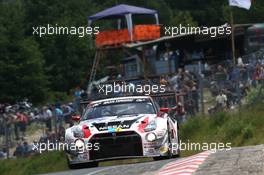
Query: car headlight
{"type": "Point", "coordinates": [79, 143]}
{"type": "Point", "coordinates": [151, 126]}
{"type": "Point", "coordinates": [151, 137]}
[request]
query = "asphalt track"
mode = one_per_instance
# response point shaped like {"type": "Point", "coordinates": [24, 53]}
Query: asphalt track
{"type": "Point", "coordinates": [247, 160]}
{"type": "Point", "coordinates": [146, 168]}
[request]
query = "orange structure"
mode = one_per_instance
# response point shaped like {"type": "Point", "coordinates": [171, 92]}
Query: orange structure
{"type": "Point", "coordinates": [132, 33]}
{"type": "Point", "coordinates": [117, 37]}
{"type": "Point", "coordinates": [146, 32]}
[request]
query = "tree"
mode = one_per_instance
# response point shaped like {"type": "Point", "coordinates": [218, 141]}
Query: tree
{"type": "Point", "coordinates": [184, 18]}
{"type": "Point", "coordinates": [21, 63]}
{"type": "Point", "coordinates": [68, 58]}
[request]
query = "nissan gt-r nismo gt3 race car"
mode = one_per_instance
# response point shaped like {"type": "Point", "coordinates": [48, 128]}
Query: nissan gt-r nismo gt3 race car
{"type": "Point", "coordinates": [122, 127]}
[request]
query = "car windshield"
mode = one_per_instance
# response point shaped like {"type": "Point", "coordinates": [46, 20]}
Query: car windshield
{"type": "Point", "coordinates": [114, 108]}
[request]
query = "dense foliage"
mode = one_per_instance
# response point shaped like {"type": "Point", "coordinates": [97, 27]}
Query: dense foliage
{"type": "Point", "coordinates": [238, 128]}
{"type": "Point", "coordinates": [38, 68]}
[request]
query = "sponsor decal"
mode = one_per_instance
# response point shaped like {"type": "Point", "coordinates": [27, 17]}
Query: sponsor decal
{"type": "Point", "coordinates": [111, 129]}
{"type": "Point", "coordinates": [150, 145]}
{"type": "Point", "coordinates": [116, 124]}
{"type": "Point", "coordinates": [114, 128]}
{"type": "Point", "coordinates": [143, 124]}
{"type": "Point", "coordinates": [127, 100]}
{"type": "Point", "coordinates": [150, 151]}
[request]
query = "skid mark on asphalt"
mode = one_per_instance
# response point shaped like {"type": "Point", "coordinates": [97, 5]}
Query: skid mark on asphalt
{"type": "Point", "coordinates": [185, 166]}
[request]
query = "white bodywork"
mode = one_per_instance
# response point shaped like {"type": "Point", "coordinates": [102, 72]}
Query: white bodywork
{"type": "Point", "coordinates": [116, 137]}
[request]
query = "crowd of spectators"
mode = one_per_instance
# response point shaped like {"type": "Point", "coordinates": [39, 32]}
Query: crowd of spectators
{"type": "Point", "coordinates": [15, 120]}
{"type": "Point", "coordinates": [234, 82]}
{"type": "Point", "coordinates": [185, 85]}
{"type": "Point", "coordinates": [227, 83]}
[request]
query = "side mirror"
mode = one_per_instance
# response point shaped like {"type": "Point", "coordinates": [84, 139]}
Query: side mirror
{"type": "Point", "coordinates": [166, 110]}
{"type": "Point", "coordinates": [76, 118]}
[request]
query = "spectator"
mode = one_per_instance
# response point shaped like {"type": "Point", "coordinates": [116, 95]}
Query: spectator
{"type": "Point", "coordinates": [22, 122]}
{"type": "Point", "coordinates": [179, 112]}
{"type": "Point", "coordinates": [26, 149]}
{"type": "Point", "coordinates": [221, 76]}
{"type": "Point", "coordinates": [58, 115]}
{"type": "Point", "coordinates": [262, 74]}
{"type": "Point", "coordinates": [77, 98]}
{"type": "Point", "coordinates": [221, 100]}
{"type": "Point", "coordinates": [3, 154]}
{"type": "Point", "coordinates": [19, 150]}
{"type": "Point", "coordinates": [257, 75]}
{"type": "Point", "coordinates": [47, 117]}
{"type": "Point", "coordinates": [67, 111]}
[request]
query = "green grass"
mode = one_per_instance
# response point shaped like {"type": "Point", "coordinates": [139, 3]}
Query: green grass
{"type": "Point", "coordinates": [243, 128]}
{"type": "Point", "coordinates": [240, 129]}
{"type": "Point", "coordinates": [46, 162]}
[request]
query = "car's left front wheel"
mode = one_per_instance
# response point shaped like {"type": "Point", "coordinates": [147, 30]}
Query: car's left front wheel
{"type": "Point", "coordinates": [169, 144]}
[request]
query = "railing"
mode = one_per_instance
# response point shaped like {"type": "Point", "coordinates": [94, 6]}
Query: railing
{"type": "Point", "coordinates": [169, 99]}
{"type": "Point", "coordinates": [146, 32]}
{"type": "Point", "coordinates": [118, 37]}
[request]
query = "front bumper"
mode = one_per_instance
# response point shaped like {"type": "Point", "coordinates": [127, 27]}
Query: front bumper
{"type": "Point", "coordinates": [119, 145]}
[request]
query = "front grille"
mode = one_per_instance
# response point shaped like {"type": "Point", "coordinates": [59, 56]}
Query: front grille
{"type": "Point", "coordinates": [119, 144]}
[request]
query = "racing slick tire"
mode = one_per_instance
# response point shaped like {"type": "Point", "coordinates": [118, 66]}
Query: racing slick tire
{"type": "Point", "coordinates": [178, 146]}
{"type": "Point", "coordinates": [169, 154]}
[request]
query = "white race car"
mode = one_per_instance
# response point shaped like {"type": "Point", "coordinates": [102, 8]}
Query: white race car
{"type": "Point", "coordinates": [121, 127]}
